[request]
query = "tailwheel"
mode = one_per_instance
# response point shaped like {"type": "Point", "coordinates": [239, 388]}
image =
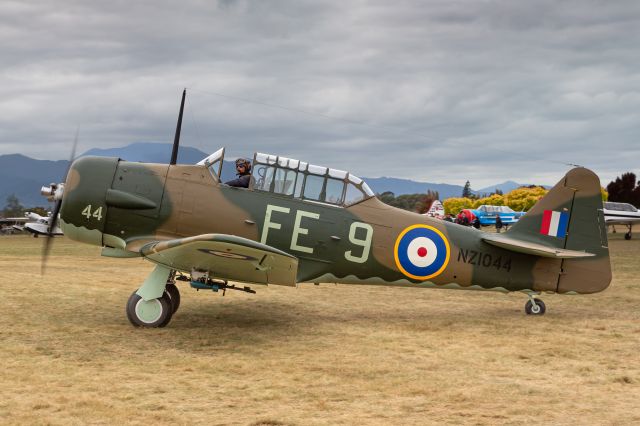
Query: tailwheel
{"type": "Point", "coordinates": [149, 313]}
{"type": "Point", "coordinates": [535, 306]}
{"type": "Point", "coordinates": [174, 296]}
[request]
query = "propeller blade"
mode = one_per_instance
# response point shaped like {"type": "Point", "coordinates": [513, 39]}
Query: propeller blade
{"type": "Point", "coordinates": [73, 154]}
{"type": "Point", "coordinates": [53, 220]}
{"type": "Point", "coordinates": [46, 248]}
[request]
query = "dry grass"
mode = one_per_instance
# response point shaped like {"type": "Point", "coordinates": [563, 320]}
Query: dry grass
{"type": "Point", "coordinates": [313, 355]}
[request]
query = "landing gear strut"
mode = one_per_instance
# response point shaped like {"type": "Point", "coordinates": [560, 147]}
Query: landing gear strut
{"type": "Point", "coordinates": [155, 302]}
{"type": "Point", "coordinates": [534, 306]}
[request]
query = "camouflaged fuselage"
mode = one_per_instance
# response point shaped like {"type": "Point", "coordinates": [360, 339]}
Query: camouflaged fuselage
{"type": "Point", "coordinates": [124, 206]}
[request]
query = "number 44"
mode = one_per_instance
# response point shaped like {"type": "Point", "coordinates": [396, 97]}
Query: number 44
{"type": "Point", "coordinates": [97, 212]}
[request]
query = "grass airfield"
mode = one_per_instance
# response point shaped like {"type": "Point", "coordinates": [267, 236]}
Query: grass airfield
{"type": "Point", "coordinates": [328, 354]}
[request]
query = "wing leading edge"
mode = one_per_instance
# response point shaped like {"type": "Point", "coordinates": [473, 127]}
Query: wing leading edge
{"type": "Point", "coordinates": [226, 257]}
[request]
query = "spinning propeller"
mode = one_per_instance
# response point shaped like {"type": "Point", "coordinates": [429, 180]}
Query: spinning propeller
{"type": "Point", "coordinates": [54, 192]}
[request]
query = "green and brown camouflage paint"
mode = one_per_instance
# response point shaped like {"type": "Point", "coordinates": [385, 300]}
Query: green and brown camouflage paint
{"type": "Point", "coordinates": [125, 206]}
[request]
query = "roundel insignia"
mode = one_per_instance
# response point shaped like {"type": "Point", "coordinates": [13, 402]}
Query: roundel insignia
{"type": "Point", "coordinates": [228, 255]}
{"type": "Point", "coordinates": [421, 252]}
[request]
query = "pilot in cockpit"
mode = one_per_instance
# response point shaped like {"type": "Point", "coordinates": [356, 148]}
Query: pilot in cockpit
{"type": "Point", "coordinates": [243, 170]}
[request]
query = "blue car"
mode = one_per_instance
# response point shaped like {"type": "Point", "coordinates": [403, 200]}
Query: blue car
{"type": "Point", "coordinates": [487, 215]}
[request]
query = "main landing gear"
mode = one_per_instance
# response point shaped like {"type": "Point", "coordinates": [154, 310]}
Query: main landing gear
{"type": "Point", "coordinates": [627, 235]}
{"type": "Point", "coordinates": [143, 310]}
{"type": "Point", "coordinates": [534, 306]}
{"type": "Point", "coordinates": [155, 302]}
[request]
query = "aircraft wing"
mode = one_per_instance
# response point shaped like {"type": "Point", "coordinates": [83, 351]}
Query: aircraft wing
{"type": "Point", "coordinates": [42, 228]}
{"type": "Point", "coordinates": [618, 220]}
{"type": "Point", "coordinates": [225, 257]}
{"type": "Point", "coordinates": [13, 220]}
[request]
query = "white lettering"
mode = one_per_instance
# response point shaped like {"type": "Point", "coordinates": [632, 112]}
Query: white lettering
{"type": "Point", "coordinates": [298, 230]}
{"type": "Point", "coordinates": [364, 243]}
{"type": "Point", "coordinates": [87, 212]}
{"type": "Point", "coordinates": [267, 221]}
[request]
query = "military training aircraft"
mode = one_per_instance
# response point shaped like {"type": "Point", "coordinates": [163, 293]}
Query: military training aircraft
{"type": "Point", "coordinates": [39, 225]}
{"type": "Point", "coordinates": [297, 222]}
{"type": "Point", "coordinates": [621, 214]}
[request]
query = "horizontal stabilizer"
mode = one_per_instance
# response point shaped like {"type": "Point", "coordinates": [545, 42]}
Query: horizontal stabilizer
{"type": "Point", "coordinates": [536, 249]}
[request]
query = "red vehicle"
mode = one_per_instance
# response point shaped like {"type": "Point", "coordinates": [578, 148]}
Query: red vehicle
{"type": "Point", "coordinates": [465, 217]}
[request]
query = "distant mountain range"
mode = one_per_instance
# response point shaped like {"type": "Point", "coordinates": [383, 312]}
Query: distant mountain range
{"type": "Point", "coordinates": [407, 186]}
{"type": "Point", "coordinates": [23, 176]}
{"type": "Point", "coordinates": [150, 153]}
{"type": "Point", "coordinates": [505, 187]}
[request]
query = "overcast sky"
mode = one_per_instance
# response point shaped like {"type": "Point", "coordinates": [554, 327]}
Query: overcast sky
{"type": "Point", "coordinates": [439, 91]}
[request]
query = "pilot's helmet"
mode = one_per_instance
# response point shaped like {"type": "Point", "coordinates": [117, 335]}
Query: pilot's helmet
{"type": "Point", "coordinates": [244, 162]}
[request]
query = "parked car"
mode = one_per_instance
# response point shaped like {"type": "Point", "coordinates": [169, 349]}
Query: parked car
{"type": "Point", "coordinates": [487, 214]}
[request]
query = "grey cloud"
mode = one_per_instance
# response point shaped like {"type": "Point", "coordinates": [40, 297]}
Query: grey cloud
{"type": "Point", "coordinates": [439, 90]}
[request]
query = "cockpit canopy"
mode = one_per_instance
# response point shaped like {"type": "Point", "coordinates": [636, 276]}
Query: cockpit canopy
{"type": "Point", "coordinates": [621, 207]}
{"type": "Point", "coordinates": [297, 179]}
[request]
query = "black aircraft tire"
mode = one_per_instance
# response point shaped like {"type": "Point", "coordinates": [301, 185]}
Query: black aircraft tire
{"type": "Point", "coordinates": [167, 298]}
{"type": "Point", "coordinates": [627, 236]}
{"type": "Point", "coordinates": [174, 295]}
{"type": "Point", "coordinates": [151, 314]}
{"type": "Point", "coordinates": [539, 310]}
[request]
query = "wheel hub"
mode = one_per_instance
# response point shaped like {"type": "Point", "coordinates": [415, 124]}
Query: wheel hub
{"type": "Point", "coordinates": [148, 311]}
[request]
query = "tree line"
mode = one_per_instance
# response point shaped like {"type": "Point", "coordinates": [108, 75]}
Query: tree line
{"type": "Point", "coordinates": [625, 189]}
{"type": "Point", "coordinates": [520, 199]}
{"type": "Point", "coordinates": [13, 208]}
{"type": "Point", "coordinates": [419, 203]}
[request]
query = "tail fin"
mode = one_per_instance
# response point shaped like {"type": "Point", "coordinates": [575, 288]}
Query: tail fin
{"type": "Point", "coordinates": [570, 218]}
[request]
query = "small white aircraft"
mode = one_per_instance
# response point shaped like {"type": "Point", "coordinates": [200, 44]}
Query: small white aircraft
{"type": "Point", "coordinates": [9, 225]}
{"type": "Point", "coordinates": [621, 214]}
{"type": "Point", "coordinates": [436, 210]}
{"type": "Point", "coordinates": [39, 225]}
